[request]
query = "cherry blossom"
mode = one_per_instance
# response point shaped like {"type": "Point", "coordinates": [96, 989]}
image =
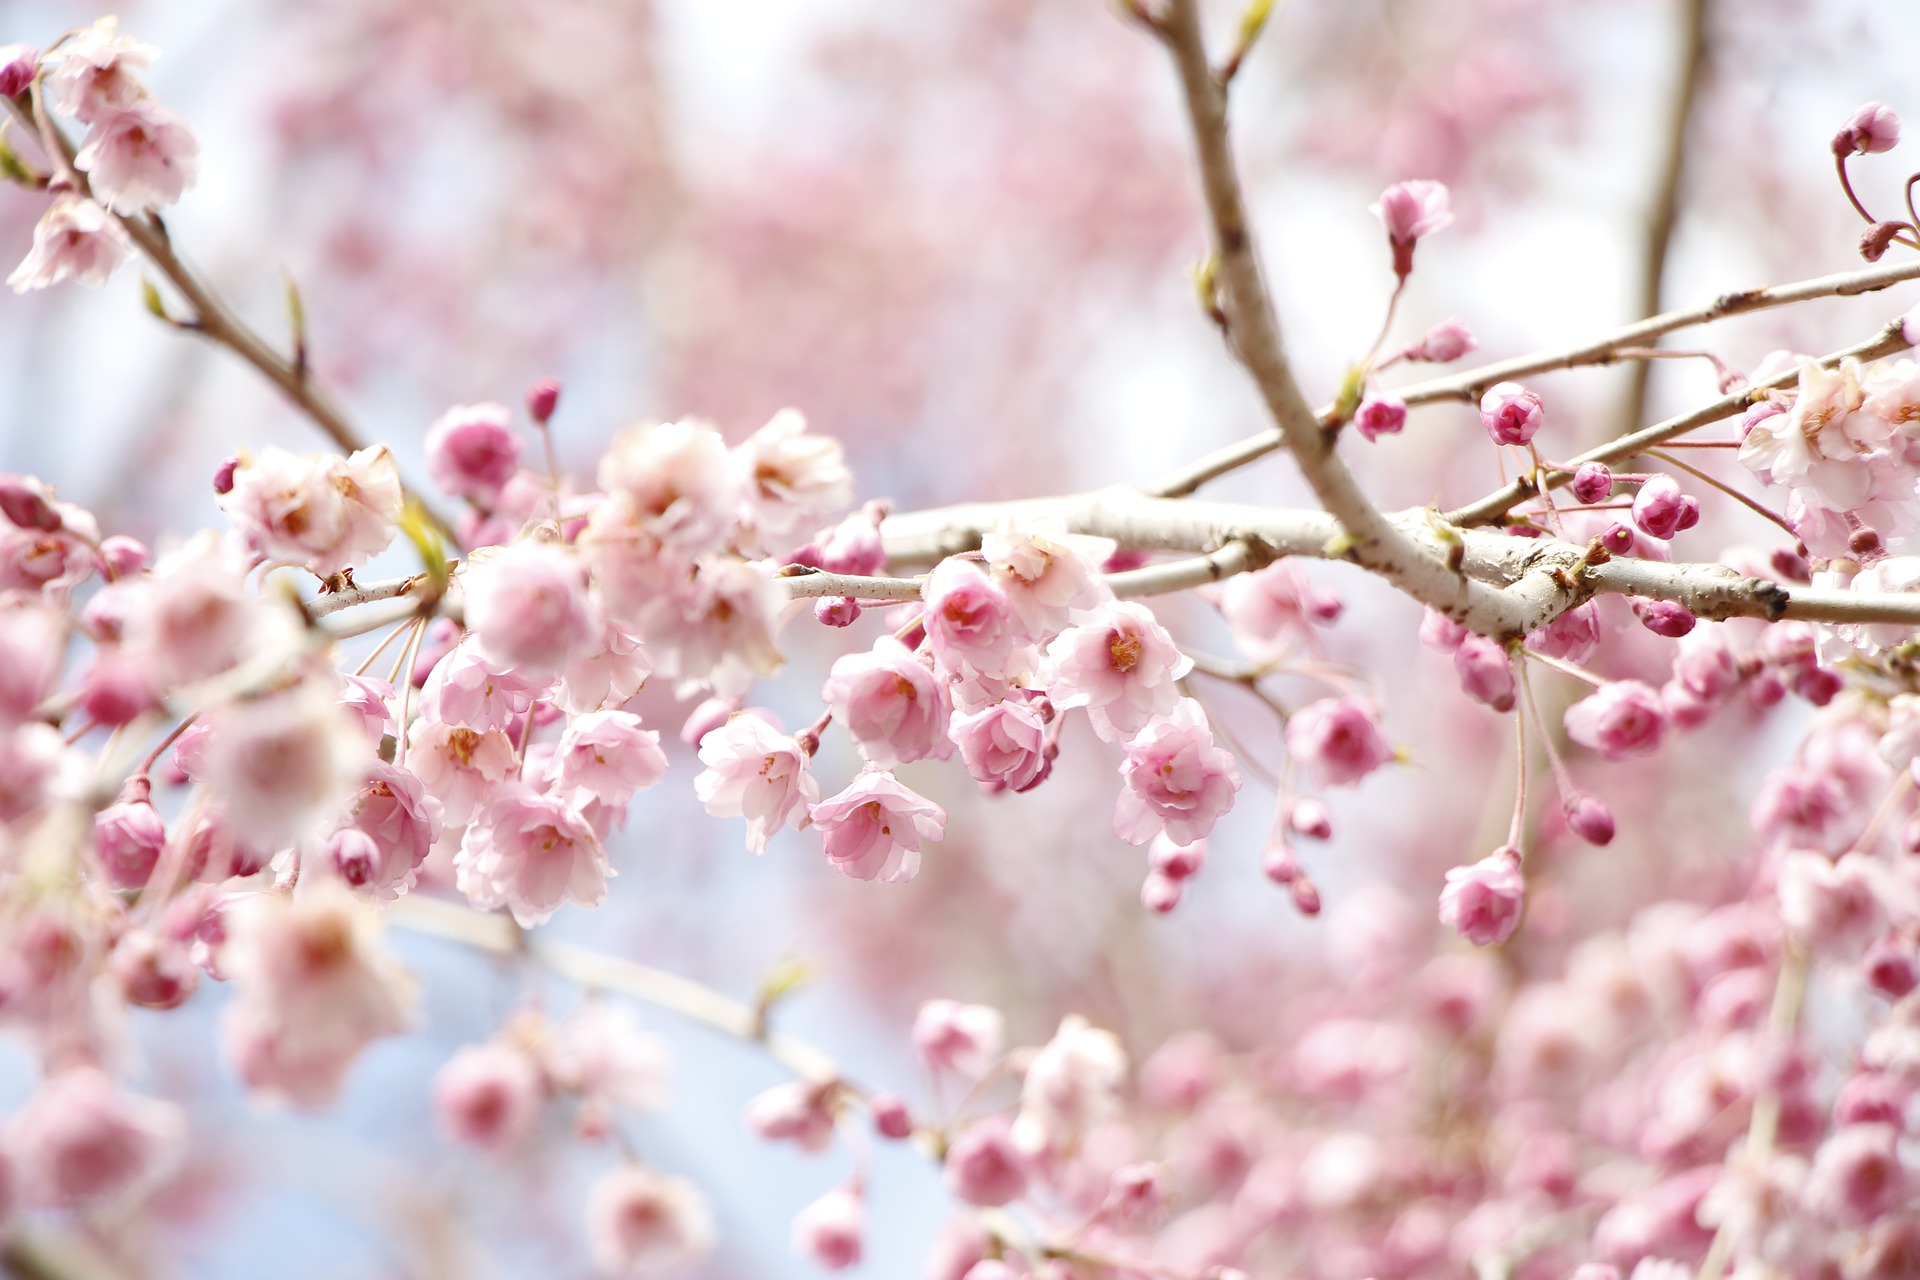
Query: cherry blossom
{"type": "Point", "coordinates": [472, 451]}
{"type": "Point", "coordinates": [874, 829]}
{"type": "Point", "coordinates": [325, 513]}
{"type": "Point", "coordinates": [758, 773]}
{"type": "Point", "coordinates": [644, 1223]}
{"type": "Point", "coordinates": [792, 484]}
{"type": "Point", "coordinates": [75, 239]}
{"type": "Point", "coordinates": [890, 703]}
{"type": "Point", "coordinates": [1339, 739]}
{"type": "Point", "coordinates": [1177, 780]}
{"type": "Point", "coordinates": [1120, 664]}
{"type": "Point", "coordinates": [531, 853]}
{"type": "Point", "coordinates": [141, 158]}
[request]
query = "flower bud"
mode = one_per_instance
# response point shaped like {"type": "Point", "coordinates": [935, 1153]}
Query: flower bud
{"type": "Point", "coordinates": [116, 691]}
{"type": "Point", "coordinates": [1309, 818]}
{"type": "Point", "coordinates": [1511, 413]}
{"type": "Point", "coordinates": [1875, 239]}
{"type": "Point", "coordinates": [24, 502]}
{"type": "Point", "coordinates": [153, 972]}
{"type": "Point", "coordinates": [124, 556]}
{"type": "Point", "coordinates": [223, 475]}
{"type": "Point", "coordinates": [1160, 893]}
{"type": "Point", "coordinates": [983, 1167]}
{"type": "Point", "coordinates": [1483, 902]}
{"type": "Point", "coordinates": [1176, 861]}
{"type": "Point", "coordinates": [127, 839]}
{"type": "Point", "coordinates": [836, 611]}
{"type": "Point", "coordinates": [1438, 631]}
{"type": "Point", "coordinates": [830, 1229]}
{"type": "Point", "coordinates": [1410, 210]}
{"type": "Point", "coordinates": [17, 65]}
{"type": "Point", "coordinates": [1306, 898]}
{"type": "Point", "coordinates": [1593, 482]}
{"type": "Point", "coordinates": [1618, 539]}
{"type": "Point", "coordinates": [1486, 674]}
{"type": "Point", "coordinates": [1380, 416]}
{"type": "Point", "coordinates": [353, 854]}
{"type": "Point", "coordinates": [1590, 820]}
{"type": "Point", "coordinates": [1874, 127]}
{"type": "Point", "coordinates": [472, 451]}
{"type": "Point", "coordinates": [543, 397]}
{"type": "Point", "coordinates": [1890, 969]}
{"type": "Point", "coordinates": [1444, 343]}
{"type": "Point", "coordinates": [1664, 617]}
{"type": "Point", "coordinates": [891, 1119]}
{"type": "Point", "coordinates": [1660, 509]}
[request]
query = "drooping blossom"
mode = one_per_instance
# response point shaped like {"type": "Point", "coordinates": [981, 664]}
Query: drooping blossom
{"type": "Point", "coordinates": [459, 766]}
{"type": "Point", "coordinates": [322, 511]}
{"type": "Point", "coordinates": [604, 674]}
{"type": "Point", "coordinates": [719, 630]}
{"type": "Point", "coordinates": [1511, 413]}
{"type": "Point", "coordinates": [607, 756]}
{"type": "Point", "coordinates": [1072, 1085]}
{"type": "Point", "coordinates": [1177, 780]}
{"type": "Point", "coordinates": [680, 481]}
{"type": "Point", "coordinates": [75, 239]}
{"type": "Point", "coordinates": [94, 73]}
{"type": "Point", "coordinates": [527, 607]}
{"type": "Point", "coordinates": [1483, 902]}
{"type": "Point", "coordinates": [1276, 610]}
{"type": "Point", "coordinates": [983, 1167]}
{"type": "Point", "coordinates": [1573, 636]}
{"type": "Point", "coordinates": [1339, 739]}
{"type": "Point", "coordinates": [890, 703]}
{"type": "Point", "coordinates": [467, 687]}
{"type": "Point", "coordinates": [472, 451]}
{"type": "Point", "coordinates": [1832, 907]}
{"type": "Point", "coordinates": [195, 617]}
{"type": "Point", "coordinates": [1120, 664]}
{"type": "Point", "coordinates": [1874, 127]}
{"type": "Point", "coordinates": [1485, 672]}
{"type": "Point", "coordinates": [792, 483]}
{"type": "Point", "coordinates": [1444, 343]}
{"type": "Point", "coordinates": [1046, 572]}
{"type": "Point", "coordinates": [642, 1223]}
{"type": "Point", "coordinates": [128, 838]}
{"type": "Point", "coordinates": [1380, 415]}
{"type": "Point", "coordinates": [81, 1141]}
{"type": "Point", "coordinates": [802, 1112]}
{"type": "Point", "coordinates": [874, 829]}
{"type": "Point", "coordinates": [1003, 745]}
{"type": "Point", "coordinates": [969, 620]}
{"type": "Point", "coordinates": [488, 1096]}
{"type": "Point", "coordinates": [1820, 445]}
{"type": "Point", "coordinates": [831, 1229]}
{"type": "Point", "coordinates": [281, 762]}
{"type": "Point", "coordinates": [1858, 1175]}
{"type": "Point", "coordinates": [758, 773]}
{"type": "Point", "coordinates": [1589, 819]}
{"type": "Point", "coordinates": [313, 988]}
{"type": "Point", "coordinates": [1410, 210]}
{"type": "Point", "coordinates": [600, 1054]}
{"type": "Point", "coordinates": [1622, 718]}
{"type": "Point", "coordinates": [531, 852]}
{"type": "Point", "coordinates": [401, 821]}
{"type": "Point", "coordinates": [140, 159]}
{"type": "Point", "coordinates": [153, 970]}
{"type": "Point", "coordinates": [967, 1038]}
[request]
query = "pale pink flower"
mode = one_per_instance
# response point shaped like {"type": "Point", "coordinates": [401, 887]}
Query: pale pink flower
{"type": "Point", "coordinates": [75, 239]}
{"type": "Point", "coordinates": [1892, 390]}
{"type": "Point", "coordinates": [606, 674]}
{"type": "Point", "coordinates": [1444, 343]}
{"type": "Point", "coordinates": [1276, 610]}
{"type": "Point", "coordinates": [195, 617]}
{"type": "Point", "coordinates": [631, 566]}
{"type": "Point", "coordinates": [681, 483]}
{"type": "Point", "coordinates": [313, 987]}
{"type": "Point", "coordinates": [720, 629]}
{"type": "Point", "coordinates": [1046, 572]}
{"type": "Point", "coordinates": [1622, 718]}
{"type": "Point", "coordinates": [1072, 1085]}
{"type": "Point", "coordinates": [983, 1167]}
{"type": "Point", "coordinates": [368, 698]}
{"type": "Point", "coordinates": [128, 838]}
{"type": "Point", "coordinates": [830, 1230]}
{"type": "Point", "coordinates": [969, 620]}
{"type": "Point", "coordinates": [1874, 127]}
{"type": "Point", "coordinates": [758, 773]}
{"type": "Point", "coordinates": [1410, 210]}
{"type": "Point", "coordinates": [322, 511]}
{"type": "Point", "coordinates": [1511, 413]}
{"type": "Point", "coordinates": [890, 703]}
{"type": "Point", "coordinates": [792, 484]}
{"type": "Point", "coordinates": [1004, 744]}
{"type": "Point", "coordinates": [527, 607]}
{"type": "Point", "coordinates": [80, 1141]}
{"type": "Point", "coordinates": [32, 642]}
{"type": "Point", "coordinates": [1483, 902]}
{"type": "Point", "coordinates": [1832, 907]}
{"type": "Point", "coordinates": [140, 159]}
{"type": "Point", "coordinates": [153, 970]}
{"type": "Point", "coordinates": [1339, 739]}
{"type": "Point", "coordinates": [459, 766]}
{"type": "Point", "coordinates": [94, 73]}
{"type": "Point", "coordinates": [472, 451]}
{"type": "Point", "coordinates": [601, 1053]}
{"type": "Point", "coordinates": [1822, 443]}
{"type": "Point", "coordinates": [873, 830]}
{"type": "Point", "coordinates": [530, 853]}
{"type": "Point", "coordinates": [852, 546]}
{"type": "Point", "coordinates": [607, 756]}
{"type": "Point", "coordinates": [642, 1224]}
{"type": "Point", "coordinates": [1177, 780]}
{"type": "Point", "coordinates": [1120, 664]}
{"type": "Point", "coordinates": [1858, 1175]}
{"type": "Point", "coordinates": [967, 1038]}
{"type": "Point", "coordinates": [802, 1112]}
{"type": "Point", "coordinates": [1572, 636]}
{"type": "Point", "coordinates": [467, 688]}
{"type": "Point", "coordinates": [403, 823]}
{"type": "Point", "coordinates": [488, 1096]}
{"type": "Point", "coordinates": [281, 762]}
{"type": "Point", "coordinates": [35, 766]}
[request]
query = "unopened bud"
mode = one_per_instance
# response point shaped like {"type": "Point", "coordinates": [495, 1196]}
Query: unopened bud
{"type": "Point", "coordinates": [1589, 819]}
{"type": "Point", "coordinates": [1592, 483]}
{"type": "Point", "coordinates": [223, 475]}
{"type": "Point", "coordinates": [1875, 239]}
{"type": "Point", "coordinates": [17, 65]}
{"type": "Point", "coordinates": [1309, 818]}
{"type": "Point", "coordinates": [24, 502]}
{"type": "Point", "coordinates": [891, 1119]}
{"type": "Point", "coordinates": [1864, 544]}
{"type": "Point", "coordinates": [836, 611]}
{"type": "Point", "coordinates": [1306, 898]}
{"type": "Point", "coordinates": [543, 397]}
{"type": "Point", "coordinates": [1664, 617]}
{"type": "Point", "coordinates": [1160, 893]}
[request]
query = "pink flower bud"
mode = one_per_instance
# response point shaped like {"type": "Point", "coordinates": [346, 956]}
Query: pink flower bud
{"type": "Point", "coordinates": [1622, 718]}
{"type": "Point", "coordinates": [1483, 902]}
{"type": "Point", "coordinates": [836, 611]}
{"type": "Point", "coordinates": [1661, 510]}
{"type": "Point", "coordinates": [127, 839]}
{"type": "Point", "coordinates": [1589, 819]}
{"type": "Point", "coordinates": [1438, 631]}
{"type": "Point", "coordinates": [23, 501]}
{"type": "Point", "coordinates": [1486, 674]}
{"type": "Point", "coordinates": [1618, 539]}
{"type": "Point", "coordinates": [705, 718]}
{"type": "Point", "coordinates": [1339, 739]}
{"type": "Point", "coordinates": [1511, 413]}
{"type": "Point", "coordinates": [124, 556]}
{"type": "Point", "coordinates": [1176, 861]}
{"type": "Point", "coordinates": [1857, 1175]}
{"type": "Point", "coordinates": [1277, 862]}
{"type": "Point", "coordinates": [1875, 239]}
{"type": "Point", "coordinates": [1160, 893]}
{"type": "Point", "coordinates": [17, 65]}
{"type": "Point", "coordinates": [891, 1119]}
{"type": "Point", "coordinates": [352, 853]}
{"type": "Point", "coordinates": [223, 475]}
{"type": "Point", "coordinates": [116, 691]}
{"type": "Point", "coordinates": [1874, 127]}
{"type": "Point", "coordinates": [472, 451]}
{"type": "Point", "coordinates": [1592, 482]}
{"type": "Point", "coordinates": [1871, 1099]}
{"type": "Point", "coordinates": [1381, 415]}
{"type": "Point", "coordinates": [959, 1037]}
{"type": "Point", "coordinates": [798, 1111]}
{"type": "Point", "coordinates": [1890, 968]}
{"type": "Point", "coordinates": [983, 1167]}
{"type": "Point", "coordinates": [154, 972]}
{"type": "Point", "coordinates": [1444, 343]}
{"type": "Point", "coordinates": [1306, 896]}
{"type": "Point", "coordinates": [1410, 210]}
{"type": "Point", "coordinates": [543, 397]}
{"type": "Point", "coordinates": [1309, 818]}
{"type": "Point", "coordinates": [1664, 617]}
{"type": "Point", "coordinates": [830, 1229]}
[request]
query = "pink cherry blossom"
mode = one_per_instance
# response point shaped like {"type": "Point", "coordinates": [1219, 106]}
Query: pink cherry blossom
{"type": "Point", "coordinates": [1004, 745]}
{"type": "Point", "coordinates": [890, 703]}
{"type": "Point", "coordinates": [140, 159]}
{"type": "Point", "coordinates": [82, 1142]}
{"type": "Point", "coordinates": [1622, 718]}
{"type": "Point", "coordinates": [1275, 611]}
{"type": "Point", "coordinates": [488, 1096]}
{"type": "Point", "coordinates": [1832, 907]}
{"type": "Point", "coordinates": [642, 1223]}
{"type": "Point", "coordinates": [1571, 637]}
{"type": "Point", "coordinates": [1857, 1175]}
{"type": "Point", "coordinates": [1339, 739]}
{"type": "Point", "coordinates": [601, 1054]}
{"type": "Point", "coordinates": [758, 773]}
{"type": "Point", "coordinates": [1177, 780]}
{"type": "Point", "coordinates": [128, 838]}
{"type": "Point", "coordinates": [874, 829]}
{"type": "Point", "coordinates": [472, 451]}
{"type": "Point", "coordinates": [318, 510]}
{"type": "Point", "coordinates": [967, 1038]}
{"type": "Point", "coordinates": [528, 609]}
{"type": "Point", "coordinates": [75, 239]}
{"type": "Point", "coordinates": [1592, 482]}
{"type": "Point", "coordinates": [607, 756]}
{"type": "Point", "coordinates": [1410, 210]}
{"type": "Point", "coordinates": [802, 1112]}
{"type": "Point", "coordinates": [680, 481]}
{"type": "Point", "coordinates": [154, 971]}
{"type": "Point", "coordinates": [983, 1167]}
{"type": "Point", "coordinates": [530, 853]}
{"type": "Point", "coordinates": [831, 1229]}
{"type": "Point", "coordinates": [1874, 127]}
{"type": "Point", "coordinates": [281, 762]}
{"type": "Point", "coordinates": [1046, 572]}
{"type": "Point", "coordinates": [718, 630]}
{"type": "Point", "coordinates": [194, 617]}
{"type": "Point", "coordinates": [1120, 664]}
{"type": "Point", "coordinates": [1483, 902]}
{"type": "Point", "coordinates": [1511, 413]}
{"type": "Point", "coordinates": [1444, 343]}
{"type": "Point", "coordinates": [1660, 510]}
{"type": "Point", "coordinates": [1820, 445]}
{"type": "Point", "coordinates": [466, 687]}
{"type": "Point", "coordinates": [1072, 1085]}
{"type": "Point", "coordinates": [1485, 672]}
{"type": "Point", "coordinates": [18, 65]}
{"type": "Point", "coordinates": [94, 73]}
{"type": "Point", "coordinates": [604, 674]}
{"type": "Point", "coordinates": [1380, 415]}
{"type": "Point", "coordinates": [791, 484]}
{"type": "Point", "coordinates": [32, 638]}
{"type": "Point", "coordinates": [458, 766]}
{"type": "Point", "coordinates": [401, 821]}
{"type": "Point", "coordinates": [969, 619]}
{"type": "Point", "coordinates": [1589, 819]}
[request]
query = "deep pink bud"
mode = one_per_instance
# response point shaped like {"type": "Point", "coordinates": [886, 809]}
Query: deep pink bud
{"type": "Point", "coordinates": [1874, 127]}
{"type": "Point", "coordinates": [1410, 210]}
{"type": "Point", "coordinates": [124, 556]}
{"type": "Point", "coordinates": [1659, 508]}
{"type": "Point", "coordinates": [116, 691]}
{"type": "Point", "coordinates": [543, 397]}
{"type": "Point", "coordinates": [1589, 819]}
{"type": "Point", "coordinates": [17, 65]}
{"type": "Point", "coordinates": [1278, 863]}
{"type": "Point", "coordinates": [1486, 674]}
{"type": "Point", "coordinates": [1875, 239]}
{"type": "Point", "coordinates": [836, 611]}
{"type": "Point", "coordinates": [23, 500]}
{"type": "Point", "coordinates": [1890, 968]}
{"type": "Point", "coordinates": [1511, 413]}
{"type": "Point", "coordinates": [353, 854]}
{"type": "Point", "coordinates": [983, 1167]}
{"type": "Point", "coordinates": [128, 838]}
{"type": "Point", "coordinates": [1445, 342]}
{"type": "Point", "coordinates": [1438, 631]}
{"type": "Point", "coordinates": [1817, 685]}
{"type": "Point", "coordinates": [1483, 902]}
{"type": "Point", "coordinates": [1306, 896]}
{"type": "Point", "coordinates": [891, 1119]}
{"type": "Point", "coordinates": [1309, 818]}
{"type": "Point", "coordinates": [154, 972]}
{"type": "Point", "coordinates": [223, 475]}
{"type": "Point", "coordinates": [1176, 861]}
{"type": "Point", "coordinates": [1618, 539]}
{"type": "Point", "coordinates": [1790, 566]}
{"type": "Point", "coordinates": [1871, 1099]}
{"type": "Point", "coordinates": [1160, 893]}
{"type": "Point", "coordinates": [1381, 415]}
{"type": "Point", "coordinates": [1664, 617]}
{"type": "Point", "coordinates": [1592, 482]}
